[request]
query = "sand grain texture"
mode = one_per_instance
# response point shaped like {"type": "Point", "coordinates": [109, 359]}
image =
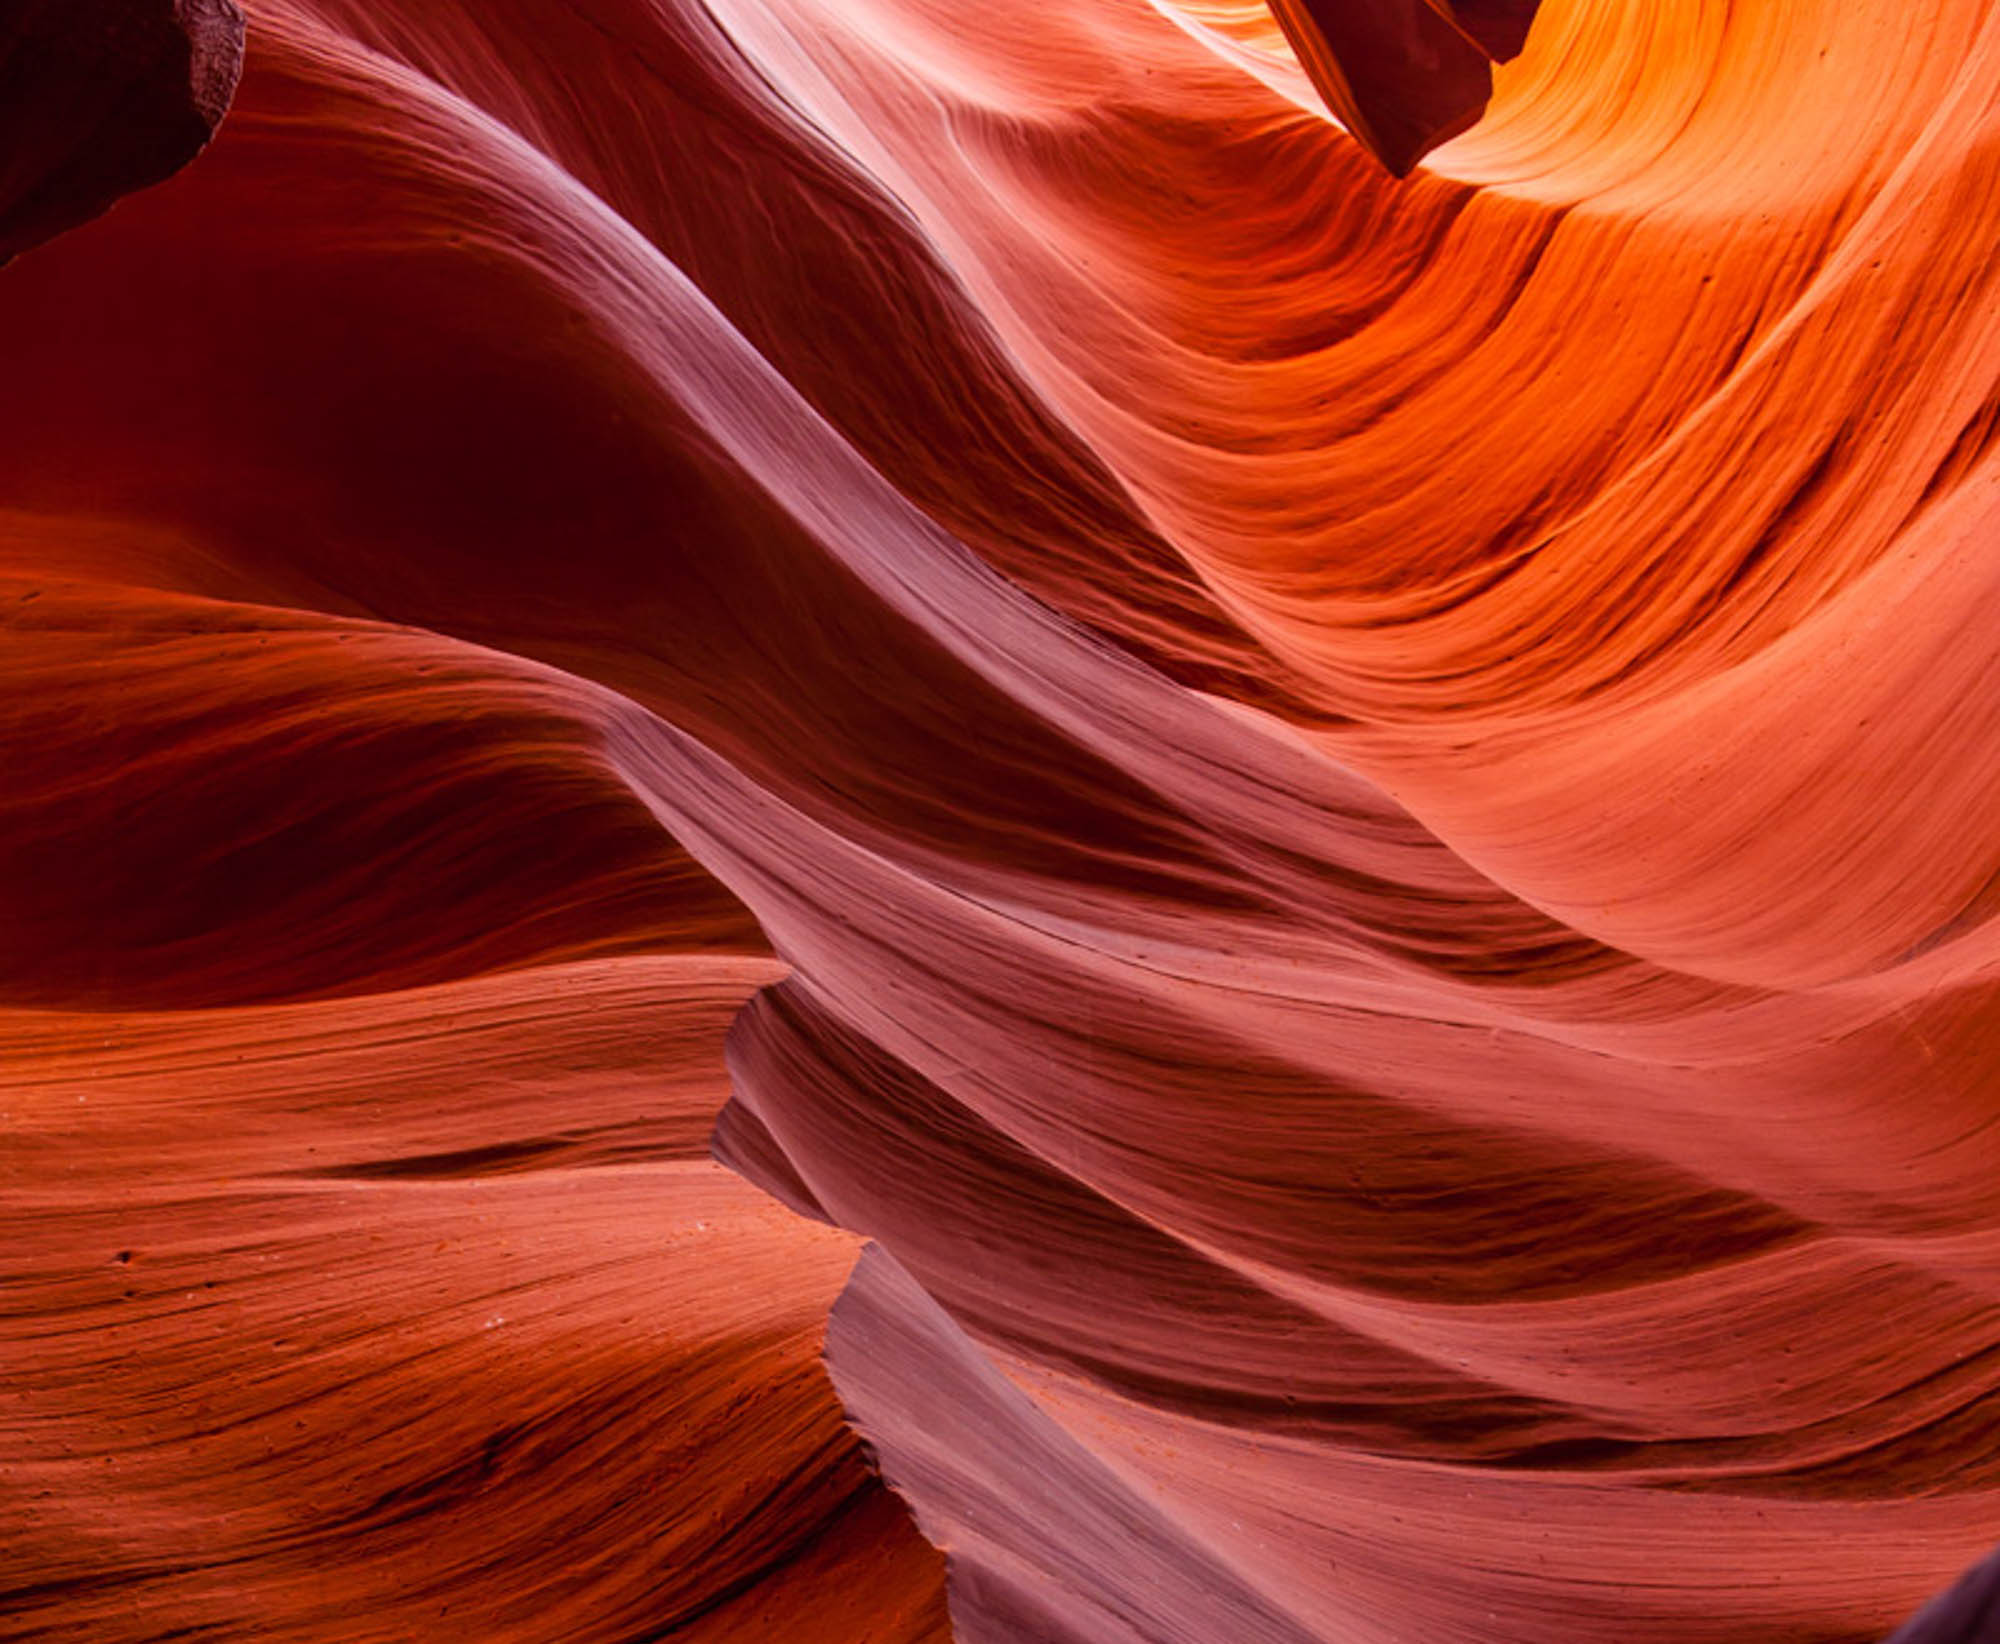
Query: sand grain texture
{"type": "Point", "coordinates": [1350, 817]}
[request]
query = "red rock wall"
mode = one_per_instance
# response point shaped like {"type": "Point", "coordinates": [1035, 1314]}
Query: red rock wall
{"type": "Point", "coordinates": [1351, 818]}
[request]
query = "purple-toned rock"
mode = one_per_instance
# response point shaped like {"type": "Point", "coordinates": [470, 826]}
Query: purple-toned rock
{"type": "Point", "coordinates": [1968, 1612]}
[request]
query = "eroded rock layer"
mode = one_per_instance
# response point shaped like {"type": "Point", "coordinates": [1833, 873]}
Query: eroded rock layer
{"type": "Point", "coordinates": [1350, 817]}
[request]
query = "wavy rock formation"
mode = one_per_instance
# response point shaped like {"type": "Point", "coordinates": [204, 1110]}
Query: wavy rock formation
{"type": "Point", "coordinates": [1349, 818]}
{"type": "Point", "coordinates": [424, 1315]}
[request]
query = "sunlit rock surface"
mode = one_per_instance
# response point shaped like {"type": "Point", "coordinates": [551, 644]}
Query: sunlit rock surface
{"type": "Point", "coordinates": [1352, 818]}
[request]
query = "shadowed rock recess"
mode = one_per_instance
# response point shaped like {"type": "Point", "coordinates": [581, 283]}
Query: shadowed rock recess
{"type": "Point", "coordinates": [99, 98]}
{"type": "Point", "coordinates": [871, 821]}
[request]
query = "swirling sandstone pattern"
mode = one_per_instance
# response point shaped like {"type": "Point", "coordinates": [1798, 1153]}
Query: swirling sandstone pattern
{"type": "Point", "coordinates": [1352, 818]}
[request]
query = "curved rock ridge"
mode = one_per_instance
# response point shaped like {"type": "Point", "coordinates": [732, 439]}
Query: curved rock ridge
{"type": "Point", "coordinates": [423, 1315]}
{"type": "Point", "coordinates": [1350, 818]}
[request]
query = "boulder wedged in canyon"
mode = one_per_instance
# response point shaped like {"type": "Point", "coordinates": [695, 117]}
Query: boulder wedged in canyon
{"type": "Point", "coordinates": [1403, 75]}
{"type": "Point", "coordinates": [1348, 817]}
{"type": "Point", "coordinates": [99, 98]}
{"type": "Point", "coordinates": [1499, 27]}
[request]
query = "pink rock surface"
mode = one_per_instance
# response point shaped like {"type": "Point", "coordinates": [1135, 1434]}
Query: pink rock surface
{"type": "Point", "coordinates": [1351, 819]}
